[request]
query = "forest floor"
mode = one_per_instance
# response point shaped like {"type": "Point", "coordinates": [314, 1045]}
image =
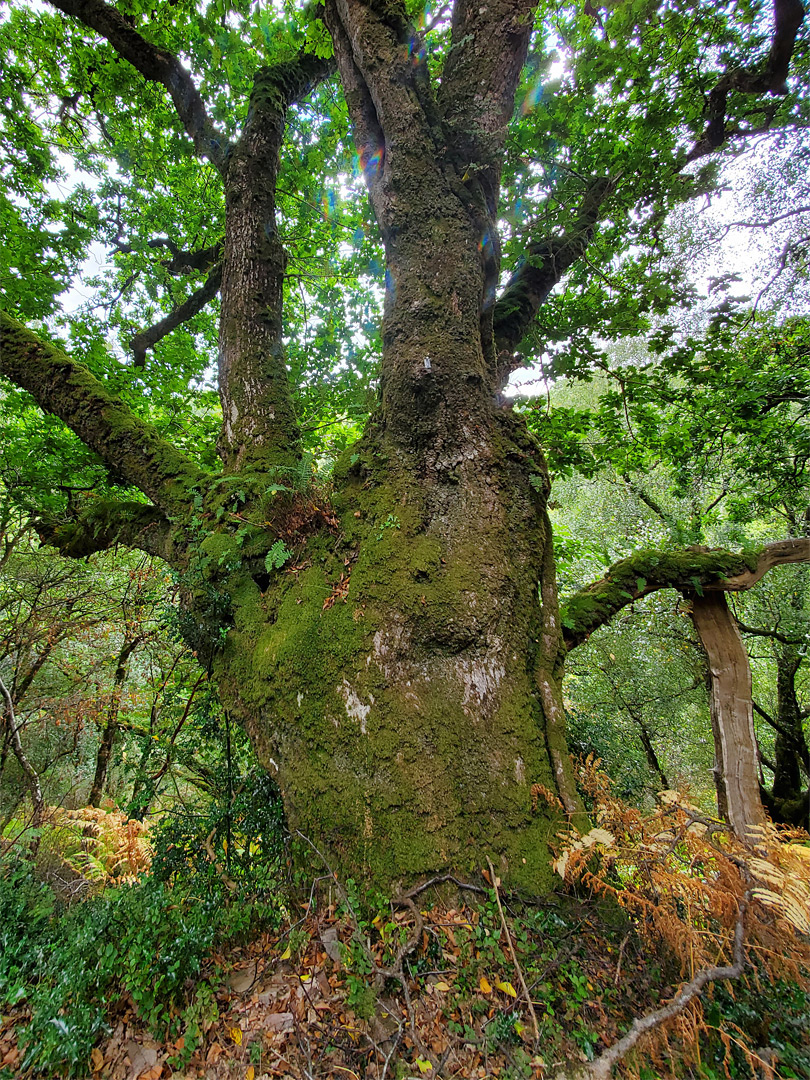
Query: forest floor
{"type": "Point", "coordinates": [297, 1005]}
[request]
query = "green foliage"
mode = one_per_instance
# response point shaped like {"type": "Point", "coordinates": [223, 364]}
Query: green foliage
{"type": "Point", "coordinates": [146, 942]}
{"type": "Point", "coordinates": [278, 554]}
{"type": "Point", "coordinates": [242, 825]}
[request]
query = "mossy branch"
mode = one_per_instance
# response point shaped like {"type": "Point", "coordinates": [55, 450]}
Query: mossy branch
{"type": "Point", "coordinates": [105, 523]}
{"type": "Point", "coordinates": [122, 439]}
{"type": "Point", "coordinates": [693, 569]}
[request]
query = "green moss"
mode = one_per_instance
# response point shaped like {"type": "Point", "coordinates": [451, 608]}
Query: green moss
{"type": "Point", "coordinates": [643, 572]}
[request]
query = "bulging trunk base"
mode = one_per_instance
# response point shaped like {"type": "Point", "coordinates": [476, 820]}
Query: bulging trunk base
{"type": "Point", "coordinates": [389, 682]}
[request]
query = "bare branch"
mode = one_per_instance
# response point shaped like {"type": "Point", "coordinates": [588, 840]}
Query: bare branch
{"type": "Point", "coordinates": [156, 65]}
{"type": "Point", "coordinates": [756, 631]}
{"type": "Point", "coordinates": [25, 764]}
{"type": "Point", "coordinates": [602, 1067]}
{"type": "Point", "coordinates": [771, 79]}
{"type": "Point", "coordinates": [147, 339]}
{"type": "Point", "coordinates": [181, 262]}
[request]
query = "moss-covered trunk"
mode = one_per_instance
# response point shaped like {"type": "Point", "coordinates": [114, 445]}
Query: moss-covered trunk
{"type": "Point", "coordinates": [403, 721]}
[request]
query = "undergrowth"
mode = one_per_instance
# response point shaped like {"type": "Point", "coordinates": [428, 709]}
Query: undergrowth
{"type": "Point", "coordinates": [346, 981]}
{"type": "Point", "coordinates": [143, 943]}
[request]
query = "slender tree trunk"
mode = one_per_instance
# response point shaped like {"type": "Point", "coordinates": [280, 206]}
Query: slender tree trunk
{"type": "Point", "coordinates": [789, 798]}
{"type": "Point", "coordinates": [37, 800]}
{"type": "Point", "coordinates": [110, 730]}
{"type": "Point", "coordinates": [731, 709]}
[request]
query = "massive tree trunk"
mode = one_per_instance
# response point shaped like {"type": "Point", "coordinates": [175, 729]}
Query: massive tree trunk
{"type": "Point", "coordinates": [405, 721]}
{"type": "Point", "coordinates": [399, 676]}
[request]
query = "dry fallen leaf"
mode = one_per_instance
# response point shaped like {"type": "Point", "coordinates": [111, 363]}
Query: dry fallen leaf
{"type": "Point", "coordinates": [484, 985]}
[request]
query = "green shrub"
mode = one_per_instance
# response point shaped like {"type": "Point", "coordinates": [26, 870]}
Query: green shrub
{"type": "Point", "coordinates": [146, 942]}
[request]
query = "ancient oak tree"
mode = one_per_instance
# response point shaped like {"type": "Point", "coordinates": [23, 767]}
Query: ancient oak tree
{"type": "Point", "coordinates": [393, 646]}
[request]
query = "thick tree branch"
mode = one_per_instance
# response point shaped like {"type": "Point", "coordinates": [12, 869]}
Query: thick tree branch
{"type": "Point", "coordinates": [384, 75]}
{"type": "Point", "coordinates": [147, 339]}
{"type": "Point", "coordinates": [181, 262]}
{"type": "Point", "coordinates": [102, 421]}
{"type": "Point", "coordinates": [771, 79]}
{"type": "Point", "coordinates": [488, 49]}
{"type": "Point", "coordinates": [647, 571]}
{"type": "Point", "coordinates": [546, 262]}
{"type": "Point", "coordinates": [367, 130]}
{"type": "Point", "coordinates": [259, 417]}
{"type": "Point", "coordinates": [156, 65]}
{"type": "Point", "coordinates": [105, 523]}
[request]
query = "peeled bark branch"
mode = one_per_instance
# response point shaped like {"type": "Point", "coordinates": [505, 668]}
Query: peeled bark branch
{"type": "Point", "coordinates": [647, 571]}
{"type": "Point", "coordinates": [546, 262]}
{"type": "Point", "coordinates": [731, 711]}
{"type": "Point", "coordinates": [122, 440]}
{"type": "Point", "coordinates": [147, 339]}
{"type": "Point", "coordinates": [772, 79]}
{"type": "Point", "coordinates": [156, 65]}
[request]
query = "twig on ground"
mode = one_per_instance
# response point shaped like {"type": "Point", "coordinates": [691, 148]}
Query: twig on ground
{"type": "Point", "coordinates": [602, 1067]}
{"type": "Point", "coordinates": [518, 969]}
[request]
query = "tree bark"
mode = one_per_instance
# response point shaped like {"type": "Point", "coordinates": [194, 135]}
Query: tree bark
{"type": "Point", "coordinates": [731, 709]}
{"type": "Point", "coordinates": [789, 797]}
{"type": "Point", "coordinates": [259, 426]}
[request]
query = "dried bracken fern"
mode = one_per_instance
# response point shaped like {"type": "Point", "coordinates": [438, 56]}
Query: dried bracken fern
{"type": "Point", "coordinates": [92, 848]}
{"type": "Point", "coordinates": [715, 903]}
